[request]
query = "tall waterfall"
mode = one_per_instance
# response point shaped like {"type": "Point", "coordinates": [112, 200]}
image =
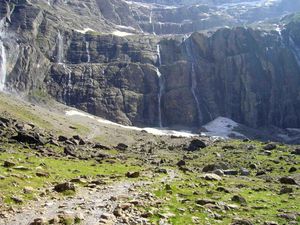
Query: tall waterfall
{"type": "Point", "coordinates": [3, 59]}
{"type": "Point", "coordinates": [60, 48]}
{"type": "Point", "coordinates": [151, 22]}
{"type": "Point", "coordinates": [194, 83]}
{"type": "Point", "coordinates": [194, 89]}
{"type": "Point", "coordinates": [87, 49]}
{"type": "Point", "coordinates": [161, 84]}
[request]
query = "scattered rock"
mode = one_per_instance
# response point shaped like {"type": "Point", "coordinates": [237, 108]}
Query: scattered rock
{"type": "Point", "coordinates": [260, 173]}
{"type": "Point", "coordinates": [239, 199]}
{"type": "Point", "coordinates": [296, 151]}
{"type": "Point", "coordinates": [286, 190]}
{"type": "Point", "coordinates": [241, 222]}
{"type": "Point", "coordinates": [218, 172]}
{"type": "Point", "coordinates": [231, 172]}
{"type": "Point", "coordinates": [213, 167]}
{"type": "Point", "coordinates": [270, 147]}
{"type": "Point", "coordinates": [39, 221]}
{"type": "Point", "coordinates": [107, 216]}
{"type": "Point", "coordinates": [121, 147]}
{"type": "Point", "coordinates": [27, 138]}
{"type": "Point", "coordinates": [69, 150]}
{"type": "Point", "coordinates": [253, 166]}
{"type": "Point", "coordinates": [100, 146]}
{"type": "Point", "coordinates": [181, 163]}
{"type": "Point", "coordinates": [288, 216]}
{"type": "Point", "coordinates": [292, 169]}
{"type": "Point", "coordinates": [222, 189]}
{"type": "Point", "coordinates": [161, 170]}
{"type": "Point", "coordinates": [8, 164]}
{"type": "Point", "coordinates": [62, 138]}
{"type": "Point", "coordinates": [287, 180]}
{"type": "Point", "coordinates": [205, 201]}
{"type": "Point", "coordinates": [270, 223]}
{"type": "Point", "coordinates": [17, 199]}
{"type": "Point", "coordinates": [28, 190]}
{"type": "Point", "coordinates": [133, 174]}
{"type": "Point", "coordinates": [244, 172]}
{"type": "Point", "coordinates": [212, 177]}
{"type": "Point", "coordinates": [228, 147]}
{"type": "Point", "coordinates": [21, 168]}
{"type": "Point", "coordinates": [42, 174]}
{"type": "Point", "coordinates": [64, 187]}
{"type": "Point", "coordinates": [195, 145]}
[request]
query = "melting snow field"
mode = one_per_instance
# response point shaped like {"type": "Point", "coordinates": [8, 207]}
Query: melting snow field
{"type": "Point", "coordinates": [84, 30]}
{"type": "Point", "coordinates": [154, 131]}
{"type": "Point", "coordinates": [121, 33]}
{"type": "Point", "coordinates": [222, 127]}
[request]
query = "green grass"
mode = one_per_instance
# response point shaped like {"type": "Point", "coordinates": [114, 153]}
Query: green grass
{"type": "Point", "coordinates": [59, 169]}
{"type": "Point", "coordinates": [263, 200]}
{"type": "Point", "coordinates": [23, 114]}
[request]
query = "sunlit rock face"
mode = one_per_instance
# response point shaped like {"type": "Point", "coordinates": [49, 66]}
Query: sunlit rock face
{"type": "Point", "coordinates": [142, 64]}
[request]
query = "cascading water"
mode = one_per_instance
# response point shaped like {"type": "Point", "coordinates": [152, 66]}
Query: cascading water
{"type": "Point", "coordinates": [87, 49]}
{"type": "Point", "coordinates": [193, 89]}
{"type": "Point", "coordinates": [68, 86]}
{"type": "Point", "coordinates": [60, 49]}
{"type": "Point", "coordinates": [151, 22]}
{"type": "Point", "coordinates": [2, 67]}
{"type": "Point", "coordinates": [193, 80]}
{"type": "Point", "coordinates": [3, 58]}
{"type": "Point", "coordinates": [161, 84]}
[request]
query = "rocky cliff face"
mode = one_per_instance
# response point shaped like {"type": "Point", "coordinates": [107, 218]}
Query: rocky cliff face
{"type": "Point", "coordinates": [98, 56]}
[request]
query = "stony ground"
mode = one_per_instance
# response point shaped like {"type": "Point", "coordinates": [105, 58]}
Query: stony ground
{"type": "Point", "coordinates": [53, 172]}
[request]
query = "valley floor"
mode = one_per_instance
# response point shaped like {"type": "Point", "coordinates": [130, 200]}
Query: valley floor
{"type": "Point", "coordinates": [65, 170]}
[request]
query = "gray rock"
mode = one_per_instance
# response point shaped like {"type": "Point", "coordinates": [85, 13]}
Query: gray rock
{"type": "Point", "coordinates": [65, 187]}
{"type": "Point", "coordinates": [239, 199]}
{"type": "Point", "coordinates": [212, 177]}
{"type": "Point", "coordinates": [270, 147]}
{"type": "Point", "coordinates": [287, 180]}
{"type": "Point", "coordinates": [134, 174]}
{"type": "Point", "coordinates": [286, 190]}
{"type": "Point", "coordinates": [205, 201]}
{"type": "Point", "coordinates": [196, 144]}
{"type": "Point", "coordinates": [231, 172]}
{"type": "Point", "coordinates": [244, 172]}
{"type": "Point", "coordinates": [8, 164]}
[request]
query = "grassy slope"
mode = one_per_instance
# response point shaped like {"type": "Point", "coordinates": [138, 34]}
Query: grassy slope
{"type": "Point", "coordinates": [261, 193]}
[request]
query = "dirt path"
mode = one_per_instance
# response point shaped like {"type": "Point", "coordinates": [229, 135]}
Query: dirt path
{"type": "Point", "coordinates": [89, 203]}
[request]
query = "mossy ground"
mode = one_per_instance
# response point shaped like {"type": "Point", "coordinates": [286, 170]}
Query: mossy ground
{"type": "Point", "coordinates": [264, 203]}
{"type": "Point", "coordinates": [59, 170]}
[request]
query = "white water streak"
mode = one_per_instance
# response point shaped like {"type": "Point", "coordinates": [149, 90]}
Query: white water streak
{"type": "Point", "coordinates": [3, 59]}
{"type": "Point", "coordinates": [60, 51]}
{"type": "Point", "coordinates": [193, 89]}
{"type": "Point", "coordinates": [194, 80]}
{"type": "Point", "coordinates": [87, 49]}
{"type": "Point", "coordinates": [161, 84]}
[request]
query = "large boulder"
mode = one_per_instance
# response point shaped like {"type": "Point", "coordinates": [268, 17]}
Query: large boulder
{"type": "Point", "coordinates": [64, 187]}
{"type": "Point", "coordinates": [196, 144]}
{"type": "Point", "coordinates": [29, 138]}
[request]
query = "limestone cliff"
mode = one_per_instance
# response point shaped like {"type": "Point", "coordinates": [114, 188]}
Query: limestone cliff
{"type": "Point", "coordinates": [99, 57]}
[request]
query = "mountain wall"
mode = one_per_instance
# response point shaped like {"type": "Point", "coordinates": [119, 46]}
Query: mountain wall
{"type": "Point", "coordinates": [109, 65]}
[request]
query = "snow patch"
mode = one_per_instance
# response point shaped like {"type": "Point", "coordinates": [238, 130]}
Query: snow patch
{"type": "Point", "coordinates": [154, 131]}
{"type": "Point", "coordinates": [222, 127]}
{"type": "Point", "coordinates": [84, 30]}
{"type": "Point", "coordinates": [121, 33]}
